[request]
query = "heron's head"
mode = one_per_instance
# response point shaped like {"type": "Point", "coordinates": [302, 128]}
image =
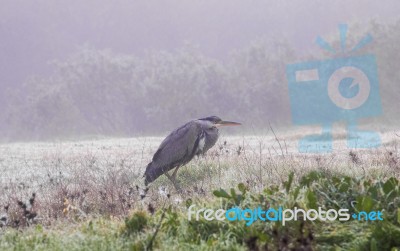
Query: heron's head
{"type": "Point", "coordinates": [217, 121]}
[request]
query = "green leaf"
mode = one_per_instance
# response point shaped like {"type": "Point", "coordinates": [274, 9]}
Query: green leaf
{"type": "Point", "coordinates": [336, 180]}
{"type": "Point", "coordinates": [347, 179]}
{"type": "Point", "coordinates": [373, 192]}
{"type": "Point", "coordinates": [374, 245]}
{"type": "Point", "coordinates": [368, 204]}
{"type": "Point", "coordinates": [344, 187]}
{"type": "Point", "coordinates": [390, 185]}
{"type": "Point", "coordinates": [365, 203]}
{"type": "Point", "coordinates": [188, 202]}
{"type": "Point", "coordinates": [39, 228]}
{"type": "Point", "coordinates": [296, 193]}
{"type": "Point", "coordinates": [242, 188]}
{"type": "Point", "coordinates": [398, 215]}
{"type": "Point", "coordinates": [288, 183]}
{"type": "Point", "coordinates": [271, 190]}
{"type": "Point", "coordinates": [392, 196]}
{"type": "Point", "coordinates": [233, 193]}
{"type": "Point", "coordinates": [310, 178]}
{"type": "Point", "coordinates": [221, 193]}
{"type": "Point", "coordinates": [238, 199]}
{"type": "Point", "coordinates": [311, 200]}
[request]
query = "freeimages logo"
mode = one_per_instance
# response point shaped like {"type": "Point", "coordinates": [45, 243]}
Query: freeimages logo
{"type": "Point", "coordinates": [280, 214]}
{"type": "Point", "coordinates": [324, 92]}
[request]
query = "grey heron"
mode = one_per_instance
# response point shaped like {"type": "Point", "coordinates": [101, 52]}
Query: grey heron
{"type": "Point", "coordinates": [180, 146]}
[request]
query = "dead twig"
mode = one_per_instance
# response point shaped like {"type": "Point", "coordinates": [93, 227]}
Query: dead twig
{"type": "Point", "coordinates": [150, 244]}
{"type": "Point", "coordinates": [277, 140]}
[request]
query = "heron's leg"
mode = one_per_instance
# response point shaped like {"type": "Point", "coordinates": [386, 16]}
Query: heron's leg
{"type": "Point", "coordinates": [168, 176]}
{"type": "Point", "coordinates": [172, 178]}
{"type": "Point", "coordinates": [175, 172]}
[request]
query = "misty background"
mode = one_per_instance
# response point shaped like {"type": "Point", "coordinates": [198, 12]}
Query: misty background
{"type": "Point", "coordinates": [130, 68]}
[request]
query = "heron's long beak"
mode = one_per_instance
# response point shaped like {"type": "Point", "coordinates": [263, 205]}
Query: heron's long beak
{"type": "Point", "coordinates": [227, 123]}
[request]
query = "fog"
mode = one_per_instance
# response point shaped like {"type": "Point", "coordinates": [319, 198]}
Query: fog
{"type": "Point", "coordinates": [123, 68]}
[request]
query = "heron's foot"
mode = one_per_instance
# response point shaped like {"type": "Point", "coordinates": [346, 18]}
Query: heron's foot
{"type": "Point", "coordinates": [172, 178]}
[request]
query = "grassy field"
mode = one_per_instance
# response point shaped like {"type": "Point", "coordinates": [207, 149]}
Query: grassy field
{"type": "Point", "coordinates": [89, 195]}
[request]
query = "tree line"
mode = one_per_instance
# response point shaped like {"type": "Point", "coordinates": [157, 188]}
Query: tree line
{"type": "Point", "coordinates": [100, 92]}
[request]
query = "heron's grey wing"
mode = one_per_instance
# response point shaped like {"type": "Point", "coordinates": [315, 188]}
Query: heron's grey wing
{"type": "Point", "coordinates": [177, 149]}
